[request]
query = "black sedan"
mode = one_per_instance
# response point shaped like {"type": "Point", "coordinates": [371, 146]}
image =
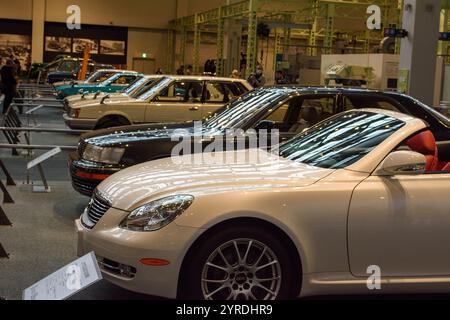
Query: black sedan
{"type": "Point", "coordinates": [288, 109]}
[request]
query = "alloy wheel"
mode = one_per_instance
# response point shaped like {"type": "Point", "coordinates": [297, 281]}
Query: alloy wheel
{"type": "Point", "coordinates": [241, 269]}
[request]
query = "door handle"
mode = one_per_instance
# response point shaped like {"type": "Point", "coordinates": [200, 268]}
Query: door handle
{"type": "Point", "coordinates": [194, 109]}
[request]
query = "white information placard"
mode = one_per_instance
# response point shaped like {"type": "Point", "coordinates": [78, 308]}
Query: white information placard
{"type": "Point", "coordinates": [43, 157]}
{"type": "Point", "coordinates": [67, 281]}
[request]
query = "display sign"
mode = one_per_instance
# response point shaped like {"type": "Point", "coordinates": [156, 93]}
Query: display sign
{"type": "Point", "coordinates": [67, 281]}
{"type": "Point", "coordinates": [43, 157]}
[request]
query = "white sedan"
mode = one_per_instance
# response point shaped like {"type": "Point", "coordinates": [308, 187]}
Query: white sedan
{"type": "Point", "coordinates": [357, 204]}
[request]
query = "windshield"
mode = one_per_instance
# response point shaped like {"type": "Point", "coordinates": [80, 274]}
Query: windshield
{"type": "Point", "coordinates": [241, 110]}
{"type": "Point", "coordinates": [341, 140]}
{"type": "Point", "coordinates": [437, 114]}
{"type": "Point", "coordinates": [139, 87]}
{"type": "Point", "coordinates": [111, 79]}
{"type": "Point", "coordinates": [152, 88]}
{"type": "Point", "coordinates": [136, 85]}
{"type": "Point", "coordinates": [99, 76]}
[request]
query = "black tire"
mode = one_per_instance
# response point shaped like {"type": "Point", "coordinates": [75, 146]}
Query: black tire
{"type": "Point", "coordinates": [193, 288]}
{"type": "Point", "coordinates": [111, 123]}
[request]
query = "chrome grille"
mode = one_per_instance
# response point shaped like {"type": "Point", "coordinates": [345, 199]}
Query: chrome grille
{"type": "Point", "coordinates": [97, 208]}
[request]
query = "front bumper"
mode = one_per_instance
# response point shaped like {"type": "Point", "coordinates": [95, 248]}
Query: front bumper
{"type": "Point", "coordinates": [75, 123]}
{"type": "Point", "coordinates": [123, 247]}
{"type": "Point", "coordinates": [81, 172]}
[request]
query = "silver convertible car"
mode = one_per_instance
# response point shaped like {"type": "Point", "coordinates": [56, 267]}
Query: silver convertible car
{"type": "Point", "coordinates": [364, 190]}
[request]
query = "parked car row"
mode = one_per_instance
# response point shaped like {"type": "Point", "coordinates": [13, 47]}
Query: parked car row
{"type": "Point", "coordinates": [65, 68]}
{"type": "Point", "coordinates": [168, 99]}
{"type": "Point", "coordinates": [354, 178]}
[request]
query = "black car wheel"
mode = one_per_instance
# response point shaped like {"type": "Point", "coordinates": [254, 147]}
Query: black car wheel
{"type": "Point", "coordinates": [240, 263]}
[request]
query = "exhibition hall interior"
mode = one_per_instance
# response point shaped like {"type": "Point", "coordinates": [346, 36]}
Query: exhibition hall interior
{"type": "Point", "coordinates": [190, 150]}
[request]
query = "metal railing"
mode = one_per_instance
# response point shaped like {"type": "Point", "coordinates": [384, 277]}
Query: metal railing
{"type": "Point", "coordinates": [13, 131]}
{"type": "Point", "coordinates": [4, 221]}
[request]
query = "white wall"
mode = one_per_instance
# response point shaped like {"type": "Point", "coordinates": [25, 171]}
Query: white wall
{"type": "Point", "coordinates": [130, 13]}
{"type": "Point", "coordinates": [151, 42]}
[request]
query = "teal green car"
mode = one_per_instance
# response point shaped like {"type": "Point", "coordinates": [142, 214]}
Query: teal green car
{"type": "Point", "coordinates": [116, 83]}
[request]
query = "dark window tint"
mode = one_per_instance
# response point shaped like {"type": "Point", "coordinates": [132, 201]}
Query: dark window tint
{"type": "Point", "coordinates": [300, 113]}
{"type": "Point", "coordinates": [243, 89]}
{"type": "Point", "coordinates": [340, 141]}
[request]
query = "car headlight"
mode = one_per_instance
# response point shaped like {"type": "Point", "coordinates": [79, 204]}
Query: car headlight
{"type": "Point", "coordinates": [157, 214]}
{"type": "Point", "coordinates": [106, 155]}
{"type": "Point", "coordinates": [74, 113]}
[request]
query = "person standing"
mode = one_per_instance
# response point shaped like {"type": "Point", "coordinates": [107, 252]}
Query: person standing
{"type": "Point", "coordinates": [257, 79]}
{"type": "Point", "coordinates": [189, 70]}
{"type": "Point", "coordinates": [8, 83]}
{"type": "Point", "coordinates": [180, 70]}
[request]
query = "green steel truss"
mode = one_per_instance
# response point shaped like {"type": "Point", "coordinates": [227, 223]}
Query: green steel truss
{"type": "Point", "coordinates": [317, 21]}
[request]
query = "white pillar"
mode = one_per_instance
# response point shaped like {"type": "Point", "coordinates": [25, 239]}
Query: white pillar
{"type": "Point", "coordinates": [418, 51]}
{"type": "Point", "coordinates": [37, 41]}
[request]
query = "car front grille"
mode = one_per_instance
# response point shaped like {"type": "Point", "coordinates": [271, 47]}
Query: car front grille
{"type": "Point", "coordinates": [97, 208]}
{"type": "Point", "coordinates": [84, 186]}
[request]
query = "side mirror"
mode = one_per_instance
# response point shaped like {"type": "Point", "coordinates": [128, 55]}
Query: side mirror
{"type": "Point", "coordinates": [104, 98]}
{"type": "Point", "coordinates": [265, 125]}
{"type": "Point", "coordinates": [402, 163]}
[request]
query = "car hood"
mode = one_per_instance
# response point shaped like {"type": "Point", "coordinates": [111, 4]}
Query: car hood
{"type": "Point", "coordinates": [76, 86]}
{"type": "Point", "coordinates": [78, 102]}
{"type": "Point", "coordinates": [66, 83]}
{"type": "Point", "coordinates": [113, 99]}
{"type": "Point", "coordinates": [140, 184]}
{"type": "Point", "coordinates": [131, 134]}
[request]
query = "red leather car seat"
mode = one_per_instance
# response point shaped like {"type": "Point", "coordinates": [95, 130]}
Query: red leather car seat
{"type": "Point", "coordinates": [446, 167]}
{"type": "Point", "coordinates": [425, 143]}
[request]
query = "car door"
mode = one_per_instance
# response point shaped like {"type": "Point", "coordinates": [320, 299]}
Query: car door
{"type": "Point", "coordinates": [180, 101]}
{"type": "Point", "coordinates": [217, 94]}
{"type": "Point", "coordinates": [402, 225]}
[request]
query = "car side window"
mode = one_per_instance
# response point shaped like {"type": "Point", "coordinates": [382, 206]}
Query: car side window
{"type": "Point", "coordinates": [220, 92]}
{"type": "Point", "coordinates": [67, 66]}
{"type": "Point", "coordinates": [233, 90]}
{"type": "Point", "coordinates": [216, 93]}
{"type": "Point", "coordinates": [359, 101]}
{"type": "Point", "coordinates": [182, 91]}
{"type": "Point", "coordinates": [300, 113]}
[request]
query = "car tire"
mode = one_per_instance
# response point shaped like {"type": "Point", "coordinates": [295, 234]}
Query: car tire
{"type": "Point", "coordinates": [110, 123]}
{"type": "Point", "coordinates": [243, 282]}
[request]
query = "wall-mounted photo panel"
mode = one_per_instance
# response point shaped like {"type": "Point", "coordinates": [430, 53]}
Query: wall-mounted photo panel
{"type": "Point", "coordinates": [112, 47]}
{"type": "Point", "coordinates": [16, 46]}
{"type": "Point", "coordinates": [58, 44]}
{"type": "Point", "coordinates": [79, 44]}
